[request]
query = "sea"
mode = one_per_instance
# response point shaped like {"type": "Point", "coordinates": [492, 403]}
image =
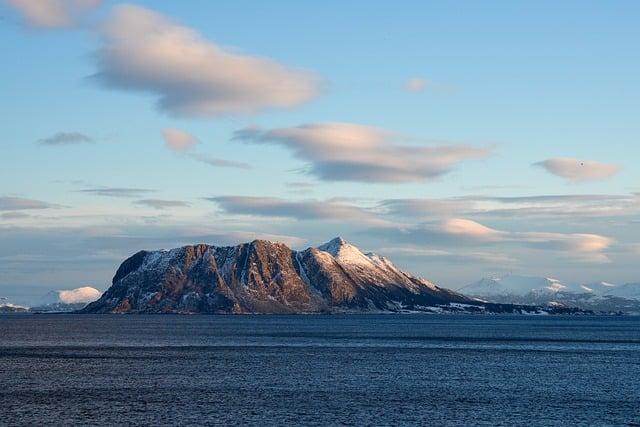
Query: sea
{"type": "Point", "coordinates": [374, 370]}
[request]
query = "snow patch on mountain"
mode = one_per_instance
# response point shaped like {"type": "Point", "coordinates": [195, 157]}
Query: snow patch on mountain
{"type": "Point", "coordinates": [345, 253]}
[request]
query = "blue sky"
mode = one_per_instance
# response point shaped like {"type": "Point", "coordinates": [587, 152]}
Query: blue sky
{"type": "Point", "coordinates": [498, 88]}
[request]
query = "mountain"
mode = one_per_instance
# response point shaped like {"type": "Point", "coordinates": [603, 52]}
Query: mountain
{"type": "Point", "coordinates": [513, 286]}
{"type": "Point", "coordinates": [597, 297]}
{"type": "Point", "coordinates": [628, 291]}
{"type": "Point", "coordinates": [67, 300]}
{"type": "Point", "coordinates": [12, 308]}
{"type": "Point", "coordinates": [268, 277]}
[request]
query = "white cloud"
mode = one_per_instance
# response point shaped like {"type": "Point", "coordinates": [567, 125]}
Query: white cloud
{"type": "Point", "coordinates": [579, 246]}
{"type": "Point", "coordinates": [351, 152]}
{"type": "Point", "coordinates": [589, 245]}
{"type": "Point", "coordinates": [85, 294]}
{"type": "Point", "coordinates": [579, 170]}
{"type": "Point", "coordinates": [468, 228]}
{"type": "Point", "coordinates": [191, 76]}
{"type": "Point", "coordinates": [179, 140]}
{"type": "Point", "coordinates": [457, 232]}
{"type": "Point", "coordinates": [52, 13]}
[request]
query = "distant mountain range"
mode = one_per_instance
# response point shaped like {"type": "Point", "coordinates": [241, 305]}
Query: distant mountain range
{"type": "Point", "coordinates": [58, 301]}
{"type": "Point", "coordinates": [67, 300]}
{"type": "Point", "coordinates": [597, 297]}
{"type": "Point", "coordinates": [268, 277]}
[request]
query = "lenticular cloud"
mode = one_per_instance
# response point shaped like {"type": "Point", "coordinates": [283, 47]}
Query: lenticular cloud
{"type": "Point", "coordinates": [191, 76]}
{"type": "Point", "coordinates": [351, 152]}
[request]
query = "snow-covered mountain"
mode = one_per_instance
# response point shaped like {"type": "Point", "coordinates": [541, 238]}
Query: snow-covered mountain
{"type": "Point", "coordinates": [68, 299]}
{"type": "Point", "coordinates": [598, 297]}
{"type": "Point", "coordinates": [268, 277]}
{"type": "Point", "coordinates": [629, 291]}
{"type": "Point", "coordinates": [513, 286]}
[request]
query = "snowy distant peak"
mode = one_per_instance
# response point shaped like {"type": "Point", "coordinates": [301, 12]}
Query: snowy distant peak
{"type": "Point", "coordinates": [513, 285]}
{"type": "Point", "coordinates": [602, 297]}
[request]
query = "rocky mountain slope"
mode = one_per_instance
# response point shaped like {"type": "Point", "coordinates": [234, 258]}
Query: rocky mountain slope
{"type": "Point", "coordinates": [268, 277]}
{"type": "Point", "coordinates": [597, 297]}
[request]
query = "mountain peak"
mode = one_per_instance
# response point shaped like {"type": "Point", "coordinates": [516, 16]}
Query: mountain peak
{"type": "Point", "coordinates": [334, 245]}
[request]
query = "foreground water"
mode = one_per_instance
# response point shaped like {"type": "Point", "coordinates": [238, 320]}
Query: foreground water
{"type": "Point", "coordinates": [353, 370]}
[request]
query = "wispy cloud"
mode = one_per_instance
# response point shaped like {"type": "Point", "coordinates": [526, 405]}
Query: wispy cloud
{"type": "Point", "coordinates": [19, 203]}
{"type": "Point", "coordinates": [183, 142]}
{"type": "Point", "coordinates": [191, 76]}
{"type": "Point", "coordinates": [52, 13]}
{"type": "Point", "coordinates": [451, 256]}
{"type": "Point", "coordinates": [66, 138]}
{"type": "Point", "coordinates": [161, 203]}
{"type": "Point", "coordinates": [548, 206]}
{"type": "Point", "coordinates": [300, 210]}
{"type": "Point", "coordinates": [350, 152]}
{"type": "Point", "coordinates": [579, 170]}
{"type": "Point", "coordinates": [219, 163]}
{"type": "Point", "coordinates": [121, 192]}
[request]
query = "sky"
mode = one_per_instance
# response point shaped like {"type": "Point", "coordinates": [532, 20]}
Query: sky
{"type": "Point", "coordinates": [460, 139]}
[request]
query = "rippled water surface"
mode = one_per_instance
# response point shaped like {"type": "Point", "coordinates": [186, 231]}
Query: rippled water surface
{"type": "Point", "coordinates": [353, 370]}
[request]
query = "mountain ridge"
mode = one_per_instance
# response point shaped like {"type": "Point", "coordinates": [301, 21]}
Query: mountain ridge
{"type": "Point", "coordinates": [598, 297]}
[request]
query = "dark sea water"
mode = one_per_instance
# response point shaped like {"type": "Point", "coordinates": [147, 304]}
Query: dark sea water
{"type": "Point", "coordinates": [319, 370]}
